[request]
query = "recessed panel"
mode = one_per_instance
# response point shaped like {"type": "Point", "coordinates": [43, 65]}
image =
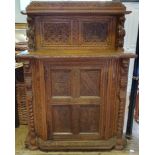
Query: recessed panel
{"type": "Point", "coordinates": [57, 33]}
{"type": "Point", "coordinates": [99, 33]}
{"type": "Point", "coordinates": [95, 32]}
{"type": "Point", "coordinates": [89, 82]}
{"type": "Point", "coordinates": [89, 118]}
{"type": "Point", "coordinates": [61, 118]}
{"type": "Point", "coordinates": [61, 82]}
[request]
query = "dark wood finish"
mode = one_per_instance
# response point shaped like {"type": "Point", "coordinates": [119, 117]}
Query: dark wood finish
{"type": "Point", "coordinates": [76, 75]}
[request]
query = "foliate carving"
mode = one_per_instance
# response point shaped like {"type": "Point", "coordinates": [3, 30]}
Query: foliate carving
{"type": "Point", "coordinates": [31, 139]}
{"type": "Point", "coordinates": [120, 32]}
{"type": "Point", "coordinates": [95, 32]}
{"type": "Point", "coordinates": [122, 100]}
{"type": "Point", "coordinates": [30, 33]}
{"type": "Point", "coordinates": [56, 33]}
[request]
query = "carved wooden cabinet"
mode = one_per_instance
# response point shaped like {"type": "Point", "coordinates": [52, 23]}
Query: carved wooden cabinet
{"type": "Point", "coordinates": [75, 75]}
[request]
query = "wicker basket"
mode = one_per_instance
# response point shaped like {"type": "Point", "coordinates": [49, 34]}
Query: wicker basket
{"type": "Point", "coordinates": [21, 103]}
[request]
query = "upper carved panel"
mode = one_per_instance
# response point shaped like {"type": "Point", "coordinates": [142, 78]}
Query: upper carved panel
{"type": "Point", "coordinates": [76, 25]}
{"type": "Point", "coordinates": [56, 33]}
{"type": "Point", "coordinates": [76, 32]}
{"type": "Point", "coordinates": [95, 31]}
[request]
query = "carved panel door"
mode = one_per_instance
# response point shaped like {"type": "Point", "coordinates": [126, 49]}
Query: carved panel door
{"type": "Point", "coordinates": [75, 101]}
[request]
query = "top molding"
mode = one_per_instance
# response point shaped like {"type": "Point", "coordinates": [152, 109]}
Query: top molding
{"type": "Point", "coordinates": [37, 7]}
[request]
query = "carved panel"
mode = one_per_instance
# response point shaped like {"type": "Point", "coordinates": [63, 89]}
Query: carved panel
{"type": "Point", "coordinates": [61, 118]}
{"type": "Point", "coordinates": [89, 82]}
{"type": "Point", "coordinates": [95, 32]}
{"type": "Point", "coordinates": [57, 33]}
{"type": "Point", "coordinates": [98, 33]}
{"type": "Point", "coordinates": [76, 32]}
{"type": "Point", "coordinates": [61, 81]}
{"type": "Point", "coordinates": [89, 118]}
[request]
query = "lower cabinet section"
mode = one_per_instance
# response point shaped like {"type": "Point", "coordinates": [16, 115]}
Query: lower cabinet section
{"type": "Point", "coordinates": [76, 101]}
{"type": "Point", "coordinates": [76, 105]}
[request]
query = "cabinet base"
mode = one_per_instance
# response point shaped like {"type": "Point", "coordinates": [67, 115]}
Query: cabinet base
{"type": "Point", "coordinates": [77, 145]}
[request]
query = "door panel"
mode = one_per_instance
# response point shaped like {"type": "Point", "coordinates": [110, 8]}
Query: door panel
{"type": "Point", "coordinates": [61, 82]}
{"type": "Point", "coordinates": [61, 116]}
{"type": "Point", "coordinates": [74, 102]}
{"type": "Point", "coordinates": [89, 118]}
{"type": "Point", "coordinates": [89, 82]}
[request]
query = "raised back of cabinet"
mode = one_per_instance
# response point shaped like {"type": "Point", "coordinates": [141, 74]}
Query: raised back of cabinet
{"type": "Point", "coordinates": [74, 25]}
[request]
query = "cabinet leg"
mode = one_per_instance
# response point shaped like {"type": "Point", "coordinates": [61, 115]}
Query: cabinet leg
{"type": "Point", "coordinates": [120, 143]}
{"type": "Point", "coordinates": [30, 142]}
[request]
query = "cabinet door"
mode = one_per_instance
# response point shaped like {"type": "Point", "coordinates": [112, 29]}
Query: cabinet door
{"type": "Point", "coordinates": [75, 101]}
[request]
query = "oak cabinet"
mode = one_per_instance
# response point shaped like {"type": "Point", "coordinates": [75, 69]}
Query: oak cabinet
{"type": "Point", "coordinates": [75, 75]}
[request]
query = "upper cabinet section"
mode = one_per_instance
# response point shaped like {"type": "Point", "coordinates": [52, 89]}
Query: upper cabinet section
{"type": "Point", "coordinates": [76, 25]}
{"type": "Point", "coordinates": [75, 32]}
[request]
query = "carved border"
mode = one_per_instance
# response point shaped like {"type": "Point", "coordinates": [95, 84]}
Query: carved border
{"type": "Point", "coordinates": [31, 33]}
{"type": "Point", "coordinates": [31, 138]}
{"type": "Point", "coordinates": [124, 65]}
